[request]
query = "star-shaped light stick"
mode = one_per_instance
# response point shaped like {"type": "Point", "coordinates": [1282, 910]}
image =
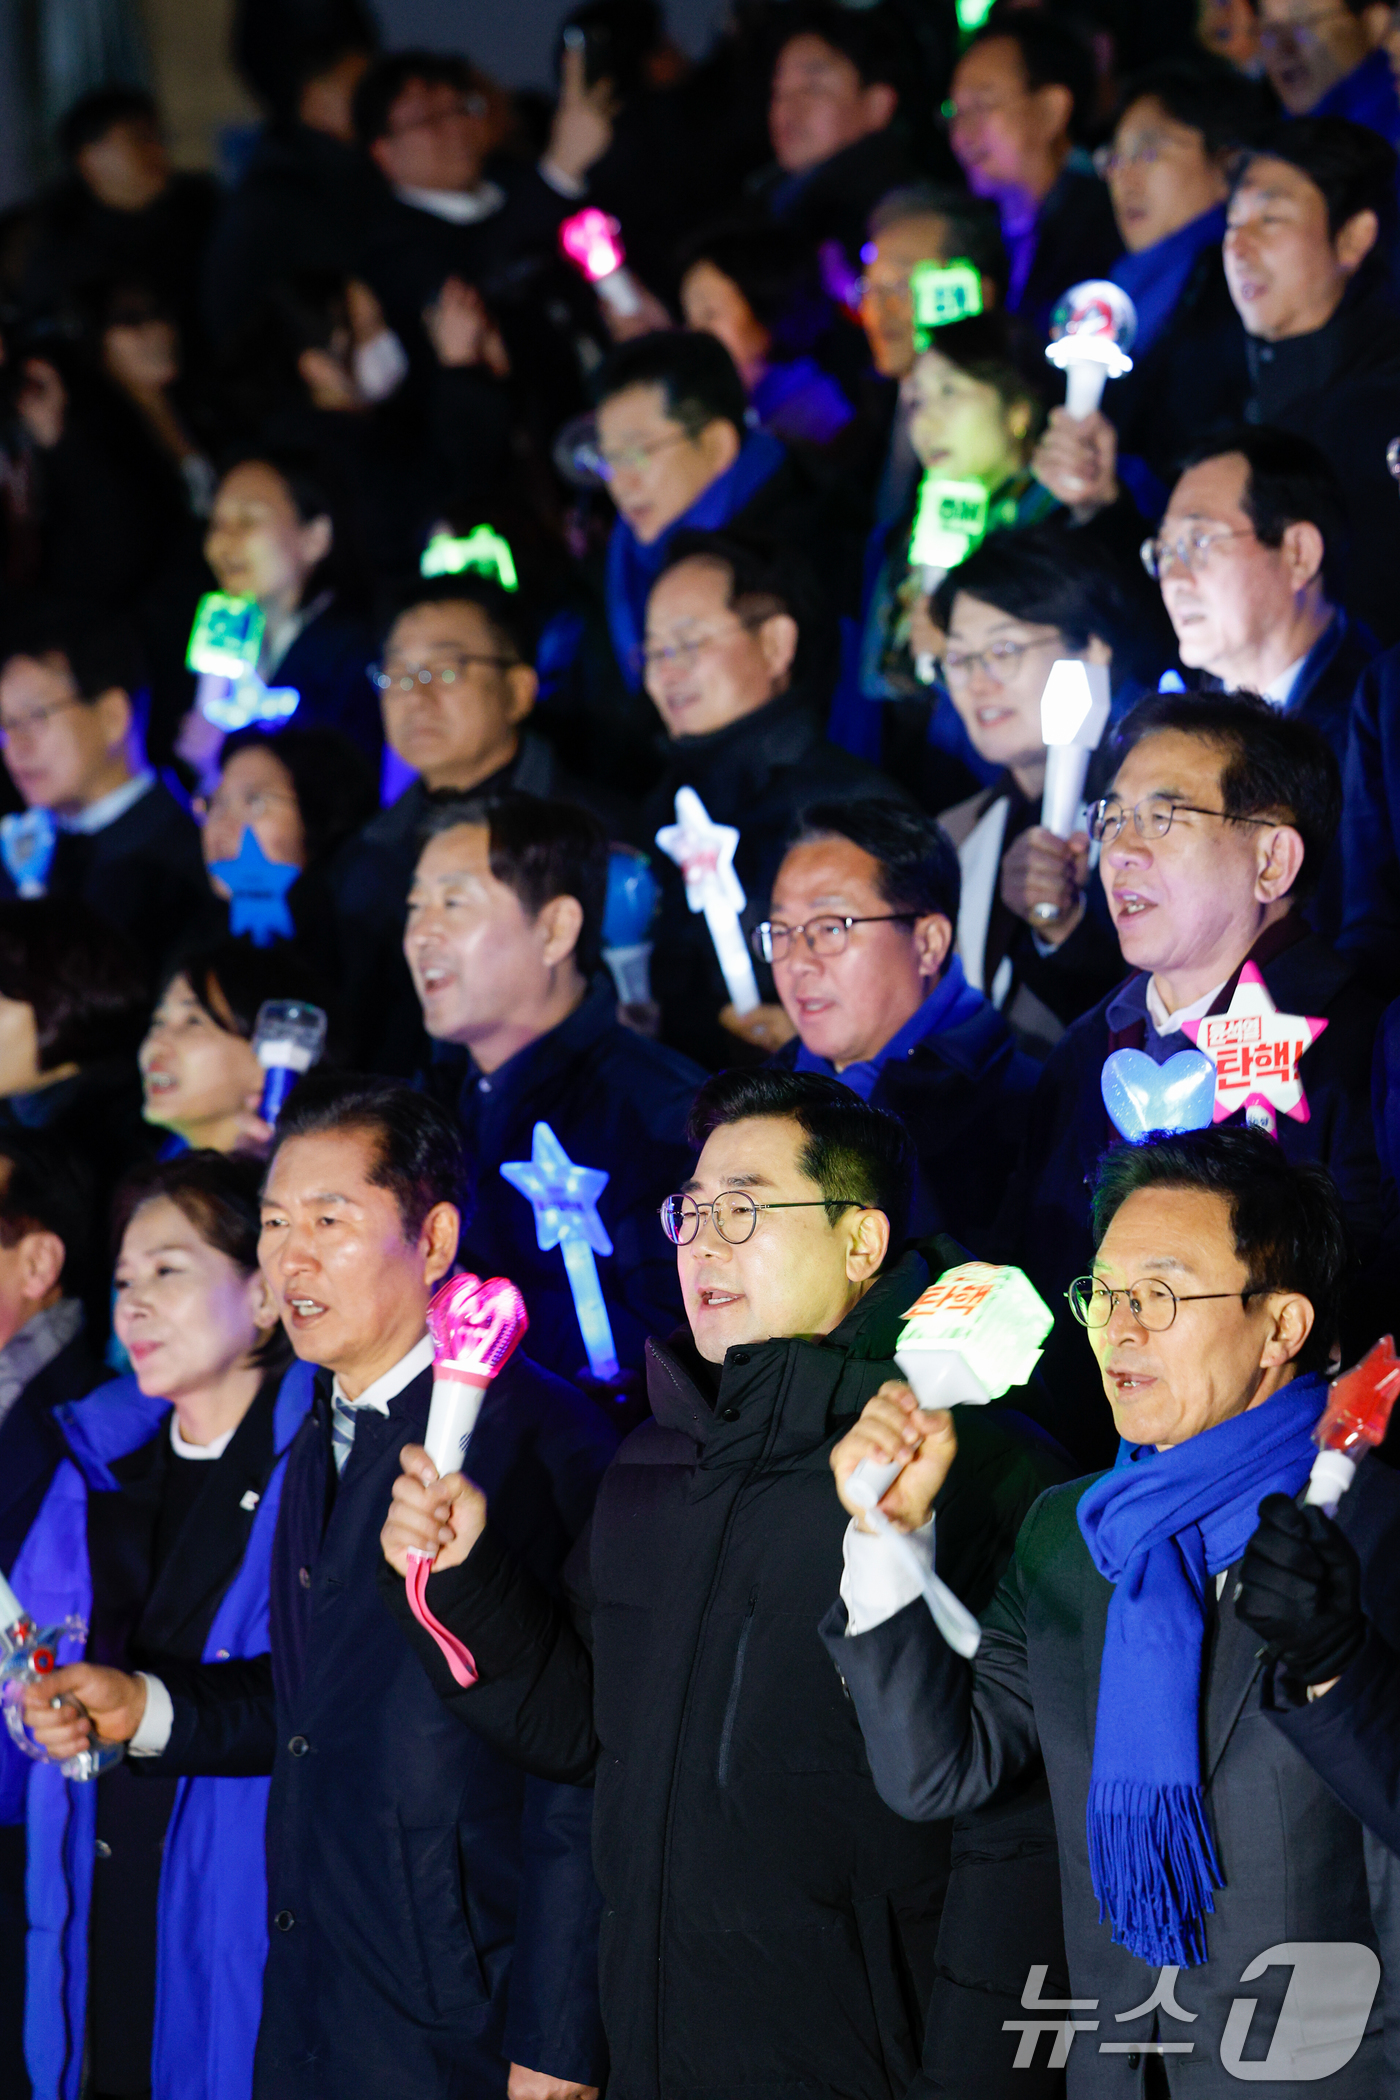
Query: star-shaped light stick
{"type": "Point", "coordinates": [704, 853]}
{"type": "Point", "coordinates": [1256, 1051]}
{"type": "Point", "coordinates": [565, 1199]}
{"type": "Point", "coordinates": [257, 892]}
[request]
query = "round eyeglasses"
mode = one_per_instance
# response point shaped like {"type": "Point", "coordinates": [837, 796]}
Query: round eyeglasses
{"type": "Point", "coordinates": [1152, 1303]}
{"type": "Point", "coordinates": [735, 1216]}
{"type": "Point", "coordinates": [412, 676]}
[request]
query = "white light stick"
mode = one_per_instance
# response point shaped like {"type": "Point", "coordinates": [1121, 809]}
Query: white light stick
{"type": "Point", "coordinates": [1091, 330]}
{"type": "Point", "coordinates": [565, 1201]}
{"type": "Point", "coordinates": [704, 853]}
{"type": "Point", "coordinates": [972, 1335]}
{"type": "Point", "coordinates": [1073, 717]}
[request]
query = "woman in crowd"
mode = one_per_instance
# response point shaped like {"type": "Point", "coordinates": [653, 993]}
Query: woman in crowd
{"type": "Point", "coordinates": [1007, 614]}
{"type": "Point", "coordinates": [158, 1526]}
{"type": "Point", "coordinates": [758, 290]}
{"type": "Point", "coordinates": [200, 1076]}
{"type": "Point", "coordinates": [73, 1008]}
{"type": "Point", "coordinates": [277, 535]}
{"type": "Point", "coordinates": [138, 346]}
{"type": "Point", "coordinates": [973, 425]}
{"type": "Point", "coordinates": [301, 793]}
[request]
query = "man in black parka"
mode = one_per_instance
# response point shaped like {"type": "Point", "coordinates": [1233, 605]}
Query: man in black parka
{"type": "Point", "coordinates": [767, 1929]}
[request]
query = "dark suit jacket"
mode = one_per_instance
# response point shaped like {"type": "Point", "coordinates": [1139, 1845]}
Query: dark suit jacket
{"type": "Point", "coordinates": [614, 1100]}
{"type": "Point", "coordinates": [433, 1909]}
{"type": "Point", "coordinates": [144, 874]}
{"type": "Point", "coordinates": [1045, 1220]}
{"type": "Point", "coordinates": [945, 1736]}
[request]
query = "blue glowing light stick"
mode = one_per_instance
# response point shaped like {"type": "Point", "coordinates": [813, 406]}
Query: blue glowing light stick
{"type": "Point", "coordinates": [627, 917]}
{"type": "Point", "coordinates": [565, 1201]}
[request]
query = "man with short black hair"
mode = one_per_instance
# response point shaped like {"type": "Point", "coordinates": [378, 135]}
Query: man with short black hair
{"type": "Point", "coordinates": [1021, 93]}
{"type": "Point", "coordinates": [737, 658]}
{"type": "Point", "coordinates": [121, 212]}
{"type": "Point", "coordinates": [100, 825]}
{"type": "Point", "coordinates": [676, 453]}
{"type": "Point", "coordinates": [921, 223]}
{"type": "Point", "coordinates": [504, 945]}
{"type": "Point", "coordinates": [433, 1913]}
{"type": "Point", "coordinates": [833, 122]}
{"type": "Point", "coordinates": [1213, 835]}
{"type": "Point", "coordinates": [456, 687]}
{"type": "Point", "coordinates": [1330, 62]}
{"type": "Point", "coordinates": [1310, 221]}
{"type": "Point", "coordinates": [860, 933]}
{"type": "Point", "coordinates": [424, 119]}
{"type": "Point", "coordinates": [760, 1903]}
{"type": "Point", "coordinates": [1197, 1846]}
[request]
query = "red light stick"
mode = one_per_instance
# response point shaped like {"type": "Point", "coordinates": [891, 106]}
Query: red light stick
{"type": "Point", "coordinates": [476, 1328]}
{"type": "Point", "coordinates": [1355, 1421]}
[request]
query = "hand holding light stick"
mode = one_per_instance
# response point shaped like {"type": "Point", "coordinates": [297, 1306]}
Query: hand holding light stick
{"type": "Point", "coordinates": [476, 1328]}
{"type": "Point", "coordinates": [1091, 331]}
{"type": "Point", "coordinates": [565, 1201]}
{"type": "Point", "coordinates": [1073, 717]}
{"type": "Point", "coordinates": [704, 853]}
{"type": "Point", "coordinates": [1357, 1416]}
{"type": "Point", "coordinates": [590, 240]}
{"type": "Point", "coordinates": [27, 1656]}
{"type": "Point", "coordinates": [287, 1041]}
{"type": "Point", "coordinates": [972, 1335]}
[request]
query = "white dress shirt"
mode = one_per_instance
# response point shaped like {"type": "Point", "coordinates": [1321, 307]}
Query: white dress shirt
{"type": "Point", "coordinates": [153, 1733]}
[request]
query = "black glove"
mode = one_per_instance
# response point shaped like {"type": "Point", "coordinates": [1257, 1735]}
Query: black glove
{"type": "Point", "coordinates": [1300, 1587]}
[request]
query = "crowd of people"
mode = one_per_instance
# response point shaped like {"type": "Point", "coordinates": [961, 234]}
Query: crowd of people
{"type": "Point", "coordinates": [563, 588]}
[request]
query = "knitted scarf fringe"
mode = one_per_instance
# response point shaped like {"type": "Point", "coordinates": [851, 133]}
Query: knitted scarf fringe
{"type": "Point", "coordinates": [1153, 1865]}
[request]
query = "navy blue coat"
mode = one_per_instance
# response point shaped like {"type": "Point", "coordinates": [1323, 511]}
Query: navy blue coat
{"type": "Point", "coordinates": [1045, 1220]}
{"type": "Point", "coordinates": [613, 1099]}
{"type": "Point", "coordinates": [328, 663]}
{"type": "Point", "coordinates": [433, 1911]}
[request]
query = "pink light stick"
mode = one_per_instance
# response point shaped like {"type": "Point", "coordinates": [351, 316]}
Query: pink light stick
{"type": "Point", "coordinates": [476, 1328]}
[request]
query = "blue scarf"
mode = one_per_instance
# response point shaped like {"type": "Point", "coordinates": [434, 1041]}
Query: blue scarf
{"type": "Point", "coordinates": [951, 1002]}
{"type": "Point", "coordinates": [1155, 278]}
{"type": "Point", "coordinates": [1156, 1527]}
{"type": "Point", "coordinates": [633, 568]}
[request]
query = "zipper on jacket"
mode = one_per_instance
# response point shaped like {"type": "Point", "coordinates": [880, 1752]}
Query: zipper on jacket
{"type": "Point", "coordinates": [726, 1734]}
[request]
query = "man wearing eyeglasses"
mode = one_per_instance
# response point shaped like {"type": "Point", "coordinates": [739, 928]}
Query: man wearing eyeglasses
{"type": "Point", "coordinates": [456, 686]}
{"type": "Point", "coordinates": [98, 824]}
{"type": "Point", "coordinates": [767, 1924]}
{"type": "Point", "coordinates": [1220, 814]}
{"type": "Point", "coordinates": [432, 125]}
{"type": "Point", "coordinates": [1198, 1848]}
{"type": "Point", "coordinates": [738, 657]}
{"type": "Point", "coordinates": [1323, 58]}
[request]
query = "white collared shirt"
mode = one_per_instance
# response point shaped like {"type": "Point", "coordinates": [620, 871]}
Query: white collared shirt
{"type": "Point", "coordinates": [1170, 1024]}
{"type": "Point", "coordinates": [1279, 691]}
{"type": "Point", "coordinates": [390, 1383]}
{"type": "Point", "coordinates": [157, 1721]}
{"type": "Point", "coordinates": [107, 808]}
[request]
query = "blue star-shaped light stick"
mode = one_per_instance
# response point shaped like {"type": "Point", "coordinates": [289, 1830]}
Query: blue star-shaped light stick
{"type": "Point", "coordinates": [565, 1199]}
{"type": "Point", "coordinates": [257, 892]}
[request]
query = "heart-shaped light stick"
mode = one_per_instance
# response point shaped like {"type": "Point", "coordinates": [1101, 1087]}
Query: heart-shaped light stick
{"type": "Point", "coordinates": [476, 1328]}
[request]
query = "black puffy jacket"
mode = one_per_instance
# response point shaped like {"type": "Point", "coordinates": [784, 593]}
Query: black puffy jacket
{"type": "Point", "coordinates": [769, 1927]}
